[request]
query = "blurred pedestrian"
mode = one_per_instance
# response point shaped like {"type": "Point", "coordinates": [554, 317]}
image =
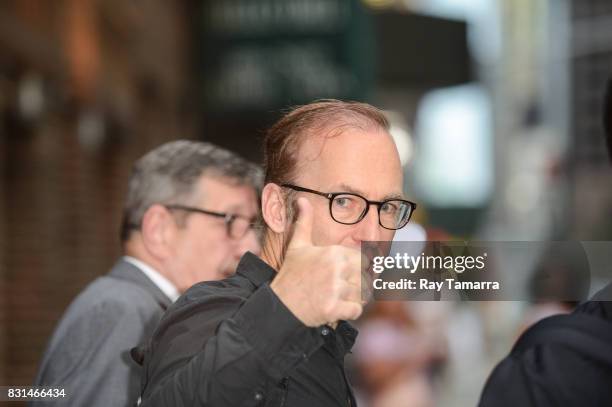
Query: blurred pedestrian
{"type": "Point", "coordinates": [188, 217]}
{"type": "Point", "coordinates": [563, 360]}
{"type": "Point", "coordinates": [394, 358]}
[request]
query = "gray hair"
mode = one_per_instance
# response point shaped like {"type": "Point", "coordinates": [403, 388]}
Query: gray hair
{"type": "Point", "coordinates": [168, 175]}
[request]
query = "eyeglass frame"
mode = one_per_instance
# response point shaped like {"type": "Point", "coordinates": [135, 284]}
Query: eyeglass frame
{"type": "Point", "coordinates": [228, 218]}
{"type": "Point", "coordinates": [331, 195]}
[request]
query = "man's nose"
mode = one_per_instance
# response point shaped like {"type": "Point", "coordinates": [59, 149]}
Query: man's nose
{"type": "Point", "coordinates": [369, 228]}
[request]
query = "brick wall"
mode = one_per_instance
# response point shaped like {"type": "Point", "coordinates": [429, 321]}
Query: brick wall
{"type": "Point", "coordinates": [61, 192]}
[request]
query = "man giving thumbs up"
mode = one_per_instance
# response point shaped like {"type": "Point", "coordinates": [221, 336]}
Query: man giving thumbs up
{"type": "Point", "coordinates": [275, 334]}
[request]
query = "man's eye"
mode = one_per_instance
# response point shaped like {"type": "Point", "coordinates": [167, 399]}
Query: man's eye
{"type": "Point", "coordinates": [389, 207]}
{"type": "Point", "coordinates": [343, 202]}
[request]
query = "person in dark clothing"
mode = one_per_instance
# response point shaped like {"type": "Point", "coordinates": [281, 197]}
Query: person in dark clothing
{"type": "Point", "coordinates": [275, 334]}
{"type": "Point", "coordinates": [564, 360]}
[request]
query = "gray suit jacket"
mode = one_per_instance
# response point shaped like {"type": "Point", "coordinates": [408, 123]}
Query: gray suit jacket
{"type": "Point", "coordinates": [89, 352]}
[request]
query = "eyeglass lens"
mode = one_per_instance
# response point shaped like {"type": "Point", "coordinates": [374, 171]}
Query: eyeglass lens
{"type": "Point", "coordinates": [349, 209]}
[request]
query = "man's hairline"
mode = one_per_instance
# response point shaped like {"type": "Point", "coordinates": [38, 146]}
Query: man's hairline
{"type": "Point", "coordinates": [326, 132]}
{"type": "Point", "coordinates": [216, 175]}
{"type": "Point", "coordinates": [336, 132]}
{"type": "Point", "coordinates": [198, 194]}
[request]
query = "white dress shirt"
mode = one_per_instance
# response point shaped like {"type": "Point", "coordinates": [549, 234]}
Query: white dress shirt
{"type": "Point", "coordinates": [160, 281]}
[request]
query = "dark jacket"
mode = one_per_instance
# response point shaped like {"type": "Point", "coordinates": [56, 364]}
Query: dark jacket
{"type": "Point", "coordinates": [562, 361]}
{"type": "Point", "coordinates": [234, 343]}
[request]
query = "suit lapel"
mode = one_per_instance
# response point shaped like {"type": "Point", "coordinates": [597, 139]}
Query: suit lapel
{"type": "Point", "coordinates": [128, 272]}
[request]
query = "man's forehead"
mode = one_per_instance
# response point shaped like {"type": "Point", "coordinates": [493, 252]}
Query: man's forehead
{"type": "Point", "coordinates": [223, 189]}
{"type": "Point", "coordinates": [356, 161]}
{"type": "Point", "coordinates": [214, 180]}
{"type": "Point", "coordinates": [331, 144]}
{"type": "Point", "coordinates": [346, 187]}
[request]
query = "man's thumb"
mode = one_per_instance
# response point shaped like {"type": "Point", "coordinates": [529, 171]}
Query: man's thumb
{"type": "Point", "coordinates": [302, 234]}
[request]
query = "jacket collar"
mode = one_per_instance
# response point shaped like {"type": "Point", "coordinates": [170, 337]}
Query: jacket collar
{"type": "Point", "coordinates": [128, 272]}
{"type": "Point", "coordinates": [255, 269]}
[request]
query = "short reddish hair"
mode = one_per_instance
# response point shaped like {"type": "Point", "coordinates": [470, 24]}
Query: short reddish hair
{"type": "Point", "coordinates": [284, 139]}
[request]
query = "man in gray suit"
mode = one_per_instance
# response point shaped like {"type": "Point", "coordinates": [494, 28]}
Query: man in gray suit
{"type": "Point", "coordinates": [188, 217]}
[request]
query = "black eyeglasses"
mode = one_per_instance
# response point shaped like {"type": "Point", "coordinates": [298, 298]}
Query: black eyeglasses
{"type": "Point", "coordinates": [236, 225]}
{"type": "Point", "coordinates": [348, 208]}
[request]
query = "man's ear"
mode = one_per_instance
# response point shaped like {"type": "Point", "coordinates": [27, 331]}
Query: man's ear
{"type": "Point", "coordinates": [158, 231]}
{"type": "Point", "coordinates": [273, 208]}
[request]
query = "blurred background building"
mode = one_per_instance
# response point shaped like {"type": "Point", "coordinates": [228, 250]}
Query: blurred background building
{"type": "Point", "coordinates": [495, 106]}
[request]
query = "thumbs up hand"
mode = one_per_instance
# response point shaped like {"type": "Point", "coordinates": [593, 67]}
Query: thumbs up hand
{"type": "Point", "coordinates": [319, 284]}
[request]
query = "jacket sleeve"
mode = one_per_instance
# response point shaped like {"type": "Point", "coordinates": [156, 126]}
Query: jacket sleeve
{"type": "Point", "coordinates": [88, 357]}
{"type": "Point", "coordinates": [199, 360]}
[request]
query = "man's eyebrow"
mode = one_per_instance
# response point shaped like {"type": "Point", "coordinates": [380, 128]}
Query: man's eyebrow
{"type": "Point", "coordinates": [237, 209]}
{"type": "Point", "coordinates": [347, 188]}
